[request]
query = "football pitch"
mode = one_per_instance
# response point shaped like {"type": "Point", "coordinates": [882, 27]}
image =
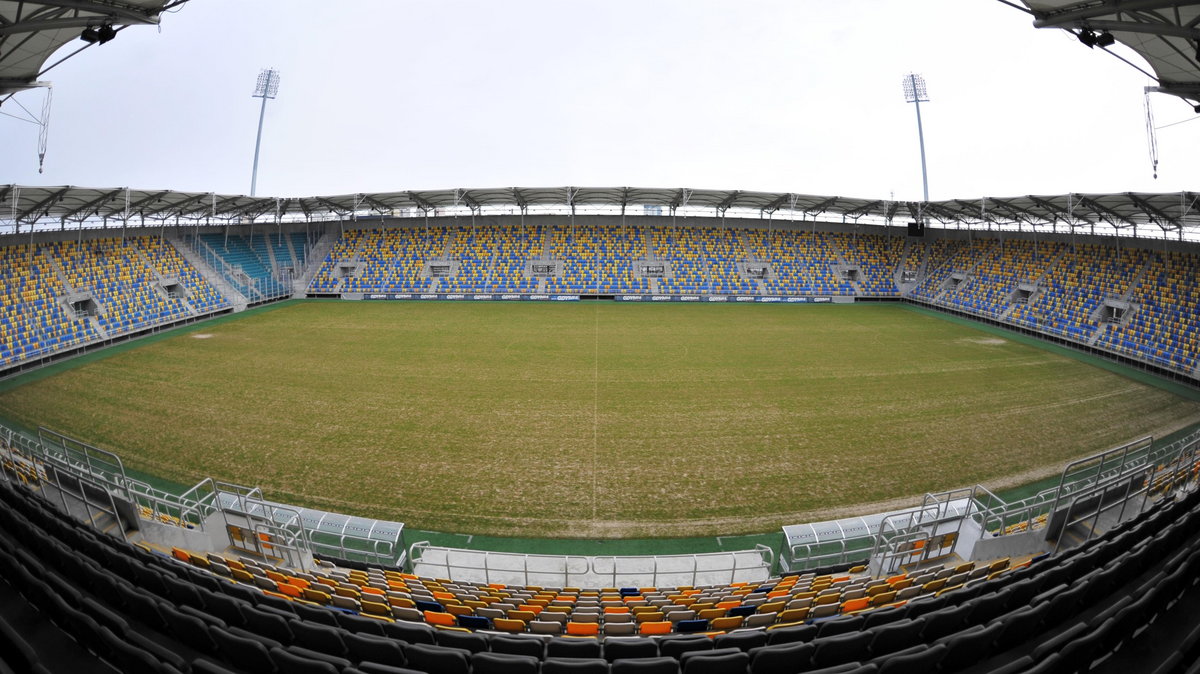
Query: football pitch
{"type": "Point", "coordinates": [596, 420]}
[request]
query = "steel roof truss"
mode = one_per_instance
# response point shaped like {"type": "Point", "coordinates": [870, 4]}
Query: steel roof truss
{"type": "Point", "coordinates": [91, 207]}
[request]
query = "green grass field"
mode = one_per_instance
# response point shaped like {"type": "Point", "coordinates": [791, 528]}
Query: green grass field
{"type": "Point", "coordinates": [595, 420]}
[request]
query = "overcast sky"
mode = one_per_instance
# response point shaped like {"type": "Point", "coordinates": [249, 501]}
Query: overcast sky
{"type": "Point", "coordinates": [797, 95]}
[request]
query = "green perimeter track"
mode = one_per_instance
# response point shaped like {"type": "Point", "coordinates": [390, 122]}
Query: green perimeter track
{"type": "Point", "coordinates": [616, 428]}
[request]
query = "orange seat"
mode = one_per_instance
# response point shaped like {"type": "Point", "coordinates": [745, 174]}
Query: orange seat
{"type": "Point", "coordinates": [583, 629]}
{"type": "Point", "coordinates": [851, 605]}
{"type": "Point", "coordinates": [289, 590]}
{"type": "Point", "coordinates": [440, 618]}
{"type": "Point", "coordinates": [617, 609]}
{"type": "Point", "coordinates": [659, 627]}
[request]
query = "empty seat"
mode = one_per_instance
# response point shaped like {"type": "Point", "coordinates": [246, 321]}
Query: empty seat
{"type": "Point", "coordinates": [842, 648]}
{"type": "Point", "coordinates": [784, 635]}
{"type": "Point", "coordinates": [318, 637]}
{"type": "Point", "coordinates": [291, 662]}
{"type": "Point", "coordinates": [471, 642]}
{"type": "Point", "coordinates": [924, 659]}
{"type": "Point", "coordinates": [658, 665]}
{"type": "Point", "coordinates": [781, 659]}
{"type": "Point", "coordinates": [575, 666]}
{"type": "Point", "coordinates": [895, 636]}
{"type": "Point", "coordinates": [503, 663]}
{"type": "Point", "coordinates": [741, 639]}
{"type": "Point", "coordinates": [970, 646]}
{"type": "Point", "coordinates": [374, 649]}
{"type": "Point", "coordinates": [718, 661]}
{"type": "Point", "coordinates": [433, 658]}
{"type": "Point", "coordinates": [243, 653]}
{"type": "Point", "coordinates": [675, 647]}
{"type": "Point", "coordinates": [629, 648]}
{"type": "Point", "coordinates": [518, 646]}
{"type": "Point", "coordinates": [573, 648]}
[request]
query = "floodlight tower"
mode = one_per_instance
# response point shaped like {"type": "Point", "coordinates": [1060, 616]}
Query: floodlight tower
{"type": "Point", "coordinates": [267, 87]}
{"type": "Point", "coordinates": [914, 92]}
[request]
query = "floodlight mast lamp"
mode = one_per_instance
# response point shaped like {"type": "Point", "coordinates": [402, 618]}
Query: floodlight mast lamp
{"type": "Point", "coordinates": [914, 92]}
{"type": "Point", "coordinates": [267, 87]}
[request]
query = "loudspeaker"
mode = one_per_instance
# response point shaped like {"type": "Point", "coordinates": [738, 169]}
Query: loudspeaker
{"type": "Point", "coordinates": [916, 229]}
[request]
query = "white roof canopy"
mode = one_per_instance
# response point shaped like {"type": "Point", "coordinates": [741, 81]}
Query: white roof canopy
{"type": "Point", "coordinates": [31, 32]}
{"type": "Point", "coordinates": [24, 209]}
{"type": "Point", "coordinates": [1165, 34]}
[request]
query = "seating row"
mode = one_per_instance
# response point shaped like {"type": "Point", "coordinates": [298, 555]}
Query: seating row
{"type": "Point", "coordinates": [149, 612]}
{"type": "Point", "coordinates": [63, 294]}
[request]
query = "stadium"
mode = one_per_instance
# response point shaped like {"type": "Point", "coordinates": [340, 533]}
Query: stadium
{"type": "Point", "coordinates": [599, 429]}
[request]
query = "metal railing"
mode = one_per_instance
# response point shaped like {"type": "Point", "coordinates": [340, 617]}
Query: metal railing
{"type": "Point", "coordinates": [1079, 480]}
{"type": "Point", "coordinates": [583, 571]}
{"type": "Point", "coordinates": [274, 529]}
{"type": "Point", "coordinates": [90, 497]}
{"type": "Point", "coordinates": [89, 460]}
{"type": "Point", "coordinates": [1137, 480]}
{"type": "Point", "coordinates": [357, 549]}
{"type": "Point", "coordinates": [926, 532]}
{"type": "Point", "coordinates": [806, 556]}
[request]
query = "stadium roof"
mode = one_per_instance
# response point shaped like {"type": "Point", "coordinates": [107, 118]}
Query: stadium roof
{"type": "Point", "coordinates": [1165, 34]}
{"type": "Point", "coordinates": [1175, 215]}
{"type": "Point", "coordinates": [31, 32]}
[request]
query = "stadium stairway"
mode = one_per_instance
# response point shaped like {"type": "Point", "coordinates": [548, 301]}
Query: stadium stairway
{"type": "Point", "coordinates": [231, 294]}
